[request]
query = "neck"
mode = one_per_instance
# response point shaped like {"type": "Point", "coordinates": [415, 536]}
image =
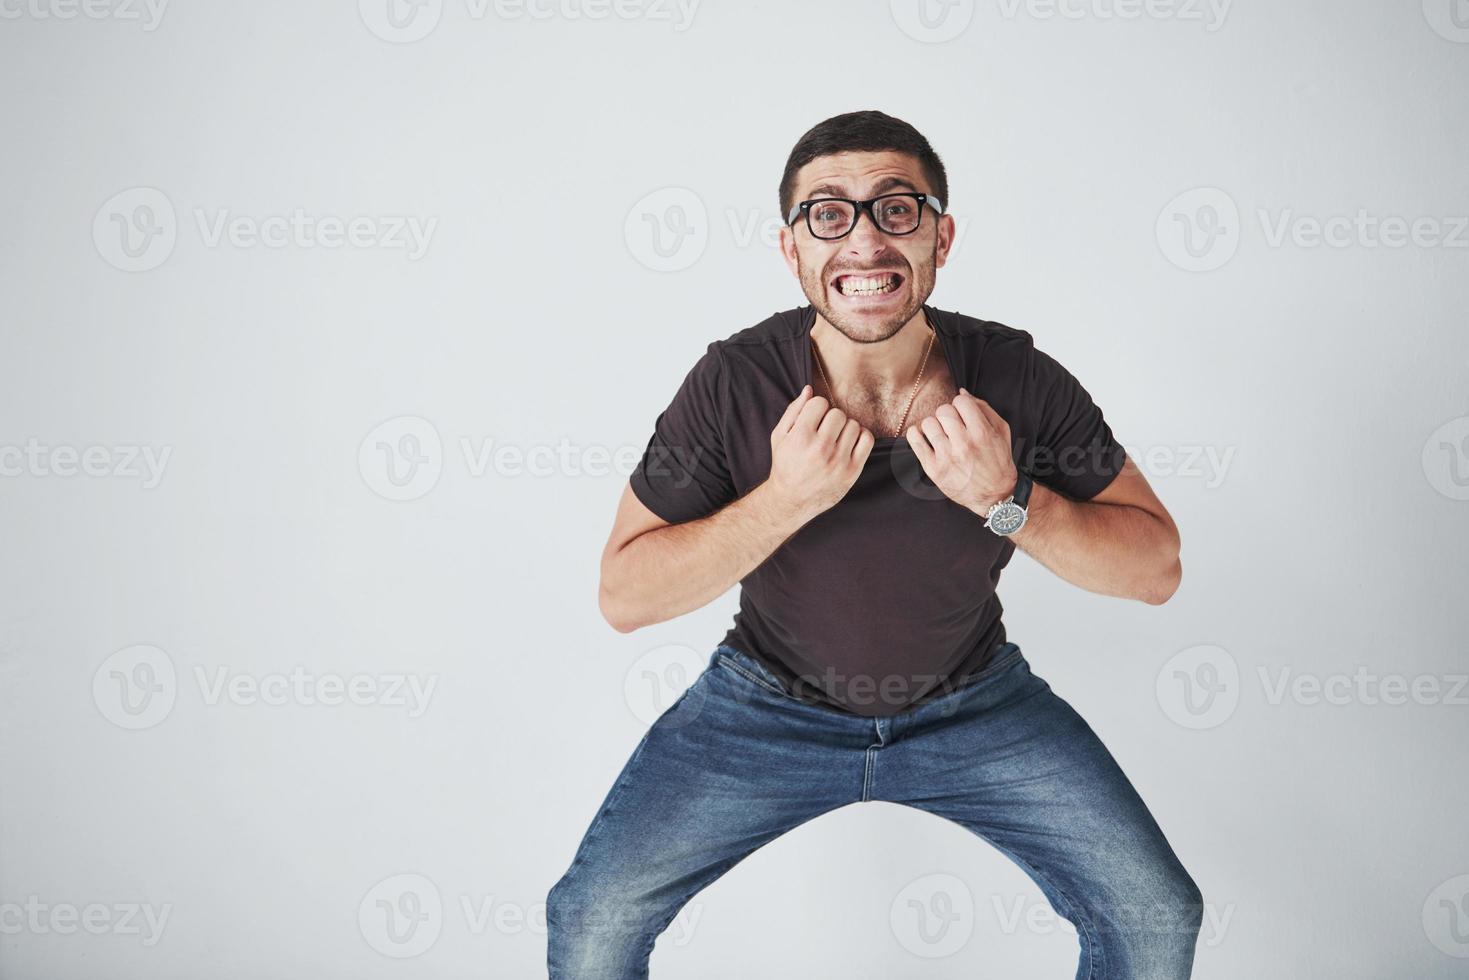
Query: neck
{"type": "Point", "coordinates": [879, 365]}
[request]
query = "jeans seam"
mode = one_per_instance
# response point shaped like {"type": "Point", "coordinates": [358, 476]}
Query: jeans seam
{"type": "Point", "coordinates": [1089, 947]}
{"type": "Point", "coordinates": [754, 679]}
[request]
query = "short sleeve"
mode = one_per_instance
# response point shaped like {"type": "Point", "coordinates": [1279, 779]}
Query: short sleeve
{"type": "Point", "coordinates": [1074, 451]}
{"type": "Point", "coordinates": [684, 473]}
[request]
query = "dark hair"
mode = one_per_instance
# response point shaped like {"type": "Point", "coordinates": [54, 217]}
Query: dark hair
{"type": "Point", "coordinates": [865, 131]}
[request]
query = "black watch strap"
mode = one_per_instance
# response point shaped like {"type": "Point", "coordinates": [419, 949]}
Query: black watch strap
{"type": "Point", "coordinates": [1023, 484]}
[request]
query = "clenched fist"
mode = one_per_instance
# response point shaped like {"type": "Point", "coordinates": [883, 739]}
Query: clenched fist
{"type": "Point", "coordinates": [816, 453]}
{"type": "Point", "coordinates": [965, 449]}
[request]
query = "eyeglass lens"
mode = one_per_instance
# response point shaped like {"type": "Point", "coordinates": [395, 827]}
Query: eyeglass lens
{"type": "Point", "coordinates": [897, 213]}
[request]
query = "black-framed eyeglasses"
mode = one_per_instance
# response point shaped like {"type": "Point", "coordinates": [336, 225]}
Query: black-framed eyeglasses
{"type": "Point", "coordinates": [835, 217]}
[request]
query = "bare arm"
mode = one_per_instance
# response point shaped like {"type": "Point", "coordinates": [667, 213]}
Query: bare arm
{"type": "Point", "coordinates": [1122, 542]}
{"type": "Point", "coordinates": [653, 571]}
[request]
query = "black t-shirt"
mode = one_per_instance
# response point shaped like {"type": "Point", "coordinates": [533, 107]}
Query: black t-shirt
{"type": "Point", "coordinates": [887, 599]}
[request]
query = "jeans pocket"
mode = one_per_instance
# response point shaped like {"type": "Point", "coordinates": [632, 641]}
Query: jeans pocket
{"type": "Point", "coordinates": [751, 670]}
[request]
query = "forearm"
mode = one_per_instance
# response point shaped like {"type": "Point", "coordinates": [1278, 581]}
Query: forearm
{"type": "Point", "coordinates": [1110, 549]}
{"type": "Point", "coordinates": [678, 568]}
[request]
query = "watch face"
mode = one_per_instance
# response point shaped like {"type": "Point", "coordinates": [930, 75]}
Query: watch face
{"type": "Point", "coordinates": [1007, 519]}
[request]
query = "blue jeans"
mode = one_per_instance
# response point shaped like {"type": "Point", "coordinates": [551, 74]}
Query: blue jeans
{"type": "Point", "coordinates": [737, 761]}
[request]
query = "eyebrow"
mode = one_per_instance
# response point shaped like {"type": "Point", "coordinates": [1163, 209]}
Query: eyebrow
{"type": "Point", "coordinates": [882, 187]}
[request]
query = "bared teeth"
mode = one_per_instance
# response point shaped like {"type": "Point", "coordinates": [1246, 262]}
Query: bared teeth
{"type": "Point", "coordinates": [853, 285]}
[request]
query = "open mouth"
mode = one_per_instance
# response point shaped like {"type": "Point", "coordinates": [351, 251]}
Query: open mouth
{"type": "Point", "coordinates": [859, 285]}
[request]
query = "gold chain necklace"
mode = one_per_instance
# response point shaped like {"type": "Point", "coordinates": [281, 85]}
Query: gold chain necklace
{"type": "Point", "coordinates": [922, 366]}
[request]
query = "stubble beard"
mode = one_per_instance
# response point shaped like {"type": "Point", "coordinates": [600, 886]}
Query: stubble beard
{"type": "Point", "coordinates": [866, 329]}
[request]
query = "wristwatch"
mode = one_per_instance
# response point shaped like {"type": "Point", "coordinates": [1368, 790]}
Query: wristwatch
{"type": "Point", "coordinates": [1008, 516]}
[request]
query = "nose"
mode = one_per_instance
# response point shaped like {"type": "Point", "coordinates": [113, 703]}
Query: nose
{"type": "Point", "coordinates": [865, 236]}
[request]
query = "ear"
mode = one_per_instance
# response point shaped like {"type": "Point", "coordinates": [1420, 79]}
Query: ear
{"type": "Point", "coordinates": [947, 230]}
{"type": "Point", "coordinates": [788, 249]}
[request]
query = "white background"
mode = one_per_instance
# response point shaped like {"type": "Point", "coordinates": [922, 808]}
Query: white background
{"type": "Point", "coordinates": [1324, 535]}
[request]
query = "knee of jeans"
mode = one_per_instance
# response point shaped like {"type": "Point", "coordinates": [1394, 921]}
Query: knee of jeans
{"type": "Point", "coordinates": [579, 904]}
{"type": "Point", "coordinates": [1176, 903]}
{"type": "Point", "coordinates": [1164, 902]}
{"type": "Point", "coordinates": [1192, 905]}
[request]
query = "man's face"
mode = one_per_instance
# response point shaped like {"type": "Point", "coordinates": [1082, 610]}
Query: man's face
{"type": "Point", "coordinates": [914, 258]}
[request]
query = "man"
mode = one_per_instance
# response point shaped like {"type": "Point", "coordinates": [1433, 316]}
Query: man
{"type": "Point", "coordinates": [864, 467]}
